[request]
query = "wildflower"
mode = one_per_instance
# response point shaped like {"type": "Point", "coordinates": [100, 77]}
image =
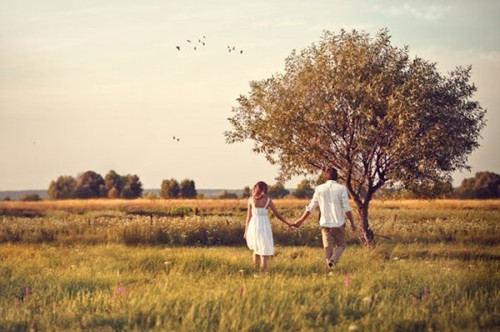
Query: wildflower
{"type": "Point", "coordinates": [121, 290]}
{"type": "Point", "coordinates": [426, 291]}
{"type": "Point", "coordinates": [366, 299]}
{"type": "Point", "coordinates": [242, 291]}
{"type": "Point", "coordinates": [26, 292]}
{"type": "Point", "coordinates": [348, 280]}
{"type": "Point", "coordinates": [353, 327]}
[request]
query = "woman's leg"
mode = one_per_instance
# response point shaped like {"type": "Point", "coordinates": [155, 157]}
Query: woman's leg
{"type": "Point", "coordinates": [256, 260]}
{"type": "Point", "coordinates": [263, 263]}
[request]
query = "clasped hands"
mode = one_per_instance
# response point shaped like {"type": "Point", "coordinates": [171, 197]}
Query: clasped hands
{"type": "Point", "coordinates": [296, 224]}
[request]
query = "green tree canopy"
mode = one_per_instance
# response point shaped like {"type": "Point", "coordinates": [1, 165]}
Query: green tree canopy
{"type": "Point", "coordinates": [246, 192]}
{"type": "Point", "coordinates": [304, 190]}
{"type": "Point", "coordinates": [188, 189]}
{"type": "Point", "coordinates": [170, 189]}
{"type": "Point", "coordinates": [482, 185]}
{"type": "Point", "coordinates": [132, 186]}
{"type": "Point", "coordinates": [363, 106]}
{"type": "Point", "coordinates": [113, 183]}
{"type": "Point", "coordinates": [277, 191]}
{"type": "Point", "coordinates": [89, 185]}
{"type": "Point", "coordinates": [62, 188]}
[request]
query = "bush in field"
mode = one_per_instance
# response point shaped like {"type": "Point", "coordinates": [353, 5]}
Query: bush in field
{"type": "Point", "coordinates": [62, 188]}
{"type": "Point", "coordinates": [188, 189]}
{"type": "Point", "coordinates": [246, 192]}
{"type": "Point", "coordinates": [170, 189]}
{"type": "Point", "coordinates": [30, 198]}
{"type": "Point", "coordinates": [304, 190]}
{"type": "Point", "coordinates": [226, 195]}
{"type": "Point", "coordinates": [277, 191]}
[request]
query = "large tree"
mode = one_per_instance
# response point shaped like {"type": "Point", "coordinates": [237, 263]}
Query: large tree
{"type": "Point", "coordinates": [363, 106]}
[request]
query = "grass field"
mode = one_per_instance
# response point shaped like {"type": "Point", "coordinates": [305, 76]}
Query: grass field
{"type": "Point", "coordinates": [182, 266]}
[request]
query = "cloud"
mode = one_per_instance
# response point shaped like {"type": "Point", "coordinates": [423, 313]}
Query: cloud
{"type": "Point", "coordinates": [429, 13]}
{"type": "Point", "coordinates": [346, 27]}
{"type": "Point", "coordinates": [280, 23]}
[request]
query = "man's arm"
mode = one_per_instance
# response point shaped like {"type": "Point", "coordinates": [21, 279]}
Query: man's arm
{"type": "Point", "coordinates": [312, 204]}
{"type": "Point", "coordinates": [347, 208]}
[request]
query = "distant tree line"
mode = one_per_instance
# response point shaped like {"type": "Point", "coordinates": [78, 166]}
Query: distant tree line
{"type": "Point", "coordinates": [483, 185]}
{"type": "Point", "coordinates": [92, 185]}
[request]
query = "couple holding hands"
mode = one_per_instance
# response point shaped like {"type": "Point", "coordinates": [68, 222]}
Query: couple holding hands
{"type": "Point", "coordinates": [333, 202]}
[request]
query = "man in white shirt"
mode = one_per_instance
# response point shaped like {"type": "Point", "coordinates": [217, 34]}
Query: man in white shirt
{"type": "Point", "coordinates": [333, 202]}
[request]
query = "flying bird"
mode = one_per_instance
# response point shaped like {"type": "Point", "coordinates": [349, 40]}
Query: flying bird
{"type": "Point", "coordinates": [178, 47]}
{"type": "Point", "coordinates": [188, 41]}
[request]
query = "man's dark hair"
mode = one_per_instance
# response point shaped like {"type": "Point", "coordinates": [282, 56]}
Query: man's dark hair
{"type": "Point", "coordinates": [331, 173]}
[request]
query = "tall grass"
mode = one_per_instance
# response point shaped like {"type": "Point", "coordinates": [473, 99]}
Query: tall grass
{"type": "Point", "coordinates": [169, 268]}
{"type": "Point", "coordinates": [113, 287]}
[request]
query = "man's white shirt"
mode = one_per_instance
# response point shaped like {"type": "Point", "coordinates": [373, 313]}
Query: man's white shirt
{"type": "Point", "coordinates": [333, 202]}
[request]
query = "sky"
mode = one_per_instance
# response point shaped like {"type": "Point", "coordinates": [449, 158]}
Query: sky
{"type": "Point", "coordinates": [100, 85]}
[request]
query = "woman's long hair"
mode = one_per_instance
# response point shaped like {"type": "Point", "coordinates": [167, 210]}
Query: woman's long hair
{"type": "Point", "coordinates": [259, 190]}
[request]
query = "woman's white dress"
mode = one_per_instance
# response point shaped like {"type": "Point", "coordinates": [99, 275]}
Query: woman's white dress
{"type": "Point", "coordinates": [259, 232]}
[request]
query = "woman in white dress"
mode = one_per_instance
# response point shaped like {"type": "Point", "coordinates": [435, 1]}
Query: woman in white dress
{"type": "Point", "coordinates": [258, 232]}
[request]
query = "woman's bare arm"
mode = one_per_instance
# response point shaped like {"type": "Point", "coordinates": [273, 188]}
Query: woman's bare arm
{"type": "Point", "coordinates": [277, 214]}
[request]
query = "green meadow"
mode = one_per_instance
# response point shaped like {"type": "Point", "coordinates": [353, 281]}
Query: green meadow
{"type": "Point", "coordinates": [435, 268]}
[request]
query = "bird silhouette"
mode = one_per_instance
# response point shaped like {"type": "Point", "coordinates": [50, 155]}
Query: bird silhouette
{"type": "Point", "coordinates": [241, 52]}
{"type": "Point", "coordinates": [188, 41]}
{"type": "Point", "coordinates": [178, 47]}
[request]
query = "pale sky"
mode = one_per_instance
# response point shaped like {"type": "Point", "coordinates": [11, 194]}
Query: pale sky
{"type": "Point", "coordinates": [99, 84]}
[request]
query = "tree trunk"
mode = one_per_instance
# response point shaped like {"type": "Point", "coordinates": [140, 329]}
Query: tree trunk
{"type": "Point", "coordinates": [367, 237]}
